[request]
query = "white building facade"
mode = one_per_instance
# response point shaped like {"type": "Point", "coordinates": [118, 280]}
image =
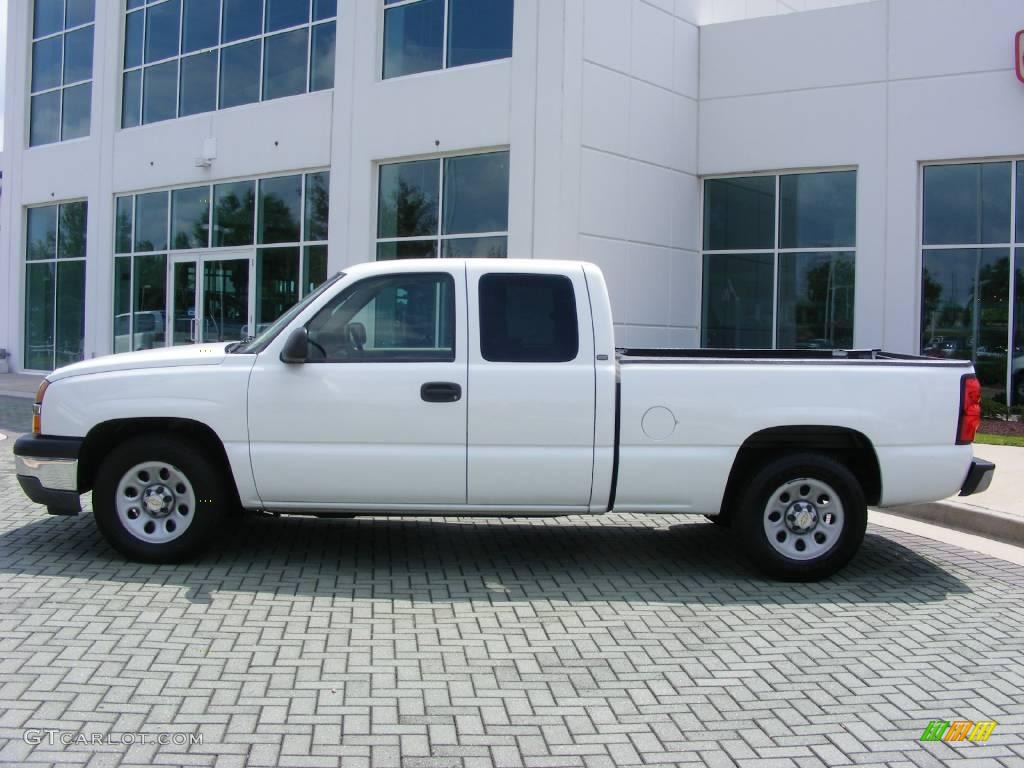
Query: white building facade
{"type": "Point", "coordinates": [748, 173]}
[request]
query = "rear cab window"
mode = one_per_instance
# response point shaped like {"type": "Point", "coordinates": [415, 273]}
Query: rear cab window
{"type": "Point", "coordinates": [528, 318]}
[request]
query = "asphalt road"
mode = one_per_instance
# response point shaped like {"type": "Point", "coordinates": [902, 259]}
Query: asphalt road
{"type": "Point", "coordinates": [615, 641]}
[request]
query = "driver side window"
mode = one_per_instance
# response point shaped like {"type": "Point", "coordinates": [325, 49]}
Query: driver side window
{"type": "Point", "coordinates": [392, 318]}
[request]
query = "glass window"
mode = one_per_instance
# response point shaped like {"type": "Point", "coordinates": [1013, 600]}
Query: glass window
{"type": "Point", "coordinates": [277, 283]}
{"type": "Point", "coordinates": [282, 14]}
{"type": "Point", "coordinates": [199, 26]}
{"type": "Point", "coordinates": [72, 231]}
{"type": "Point", "coordinates": [321, 58]}
{"type": "Point", "coordinates": [46, 55]}
{"type": "Point", "coordinates": [414, 34]}
{"type": "Point", "coordinates": [80, 12]}
{"type": "Point", "coordinates": [160, 92]}
{"type": "Point", "coordinates": [815, 300]}
{"type": "Point", "coordinates": [75, 111]}
{"type": "Point", "coordinates": [40, 299]}
{"type": "Point", "coordinates": [240, 74]}
{"type": "Point", "coordinates": [45, 124]}
{"type": "Point", "coordinates": [122, 304]}
{"type": "Point", "coordinates": [812, 307]}
{"type": "Point", "coordinates": [62, 51]}
{"type": "Point", "coordinates": [737, 301]}
{"type": "Point", "coordinates": [408, 204]}
{"type": "Point", "coordinates": [131, 99]}
{"type": "Point", "coordinates": [314, 267]}
{"type": "Point", "coordinates": [279, 209]}
{"type": "Point", "coordinates": [395, 318]}
{"type": "Point", "coordinates": [42, 233]}
{"type": "Point", "coordinates": [242, 19]}
{"type": "Point", "coordinates": [149, 301]}
{"type": "Point", "coordinates": [967, 204]}
{"type": "Point", "coordinates": [474, 199]}
{"type": "Point", "coordinates": [78, 55]}
{"type": "Point", "coordinates": [123, 225]}
{"type": "Point", "coordinates": [414, 38]}
{"type": "Point", "coordinates": [318, 201]}
{"type": "Point", "coordinates": [528, 319]}
{"type": "Point", "coordinates": [234, 213]}
{"type": "Point", "coordinates": [476, 193]}
{"type": "Point", "coordinates": [151, 222]}
{"type": "Point", "coordinates": [190, 218]}
{"type": "Point", "coordinates": [163, 26]}
{"type": "Point", "coordinates": [48, 17]}
{"type": "Point", "coordinates": [284, 64]}
{"type": "Point", "coordinates": [324, 9]}
{"type": "Point", "coordinates": [739, 213]}
{"type": "Point", "coordinates": [198, 84]}
{"type": "Point", "coordinates": [1020, 202]}
{"type": "Point", "coordinates": [134, 34]}
{"type": "Point", "coordinates": [818, 210]}
{"type": "Point", "coordinates": [55, 285]}
{"type": "Point", "coordinates": [408, 249]}
{"type": "Point", "coordinates": [1017, 355]}
{"type": "Point", "coordinates": [965, 310]}
{"type": "Point", "coordinates": [479, 30]}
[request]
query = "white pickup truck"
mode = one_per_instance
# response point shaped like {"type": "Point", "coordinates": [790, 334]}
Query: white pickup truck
{"type": "Point", "coordinates": [487, 387]}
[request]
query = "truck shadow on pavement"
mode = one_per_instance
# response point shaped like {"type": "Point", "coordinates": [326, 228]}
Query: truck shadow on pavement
{"type": "Point", "coordinates": [616, 558]}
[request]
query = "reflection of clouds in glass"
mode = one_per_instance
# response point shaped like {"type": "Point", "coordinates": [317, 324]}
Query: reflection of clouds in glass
{"type": "Point", "coordinates": [967, 204]}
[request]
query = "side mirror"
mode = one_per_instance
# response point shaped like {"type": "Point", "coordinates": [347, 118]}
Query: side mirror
{"type": "Point", "coordinates": [296, 348]}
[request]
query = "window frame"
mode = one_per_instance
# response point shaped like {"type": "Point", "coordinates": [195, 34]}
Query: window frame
{"type": "Point", "coordinates": [439, 237]}
{"type": "Point", "coordinates": [310, 25]}
{"type": "Point", "coordinates": [56, 260]}
{"type": "Point", "coordinates": [1015, 246]}
{"type": "Point", "coordinates": [776, 250]}
{"type": "Point", "coordinates": [61, 87]}
{"type": "Point", "coordinates": [406, 357]}
{"type": "Point", "coordinates": [385, 6]}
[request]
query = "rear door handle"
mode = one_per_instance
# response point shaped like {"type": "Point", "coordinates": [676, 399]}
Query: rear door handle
{"type": "Point", "coordinates": [441, 392]}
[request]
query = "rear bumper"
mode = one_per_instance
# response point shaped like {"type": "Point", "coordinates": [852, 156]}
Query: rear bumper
{"type": "Point", "coordinates": [47, 470]}
{"type": "Point", "coordinates": [979, 477]}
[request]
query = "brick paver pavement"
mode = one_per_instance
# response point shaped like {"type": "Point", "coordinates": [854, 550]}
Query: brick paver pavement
{"type": "Point", "coordinates": [617, 641]}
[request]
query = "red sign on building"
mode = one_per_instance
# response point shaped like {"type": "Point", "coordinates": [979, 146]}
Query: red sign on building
{"type": "Point", "coordinates": [1019, 48]}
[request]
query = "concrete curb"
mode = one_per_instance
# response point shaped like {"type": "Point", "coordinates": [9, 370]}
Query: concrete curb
{"type": "Point", "coordinates": [962, 517]}
{"type": "Point", "coordinates": [23, 395]}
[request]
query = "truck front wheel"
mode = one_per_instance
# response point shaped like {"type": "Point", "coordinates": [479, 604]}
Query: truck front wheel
{"type": "Point", "coordinates": [158, 499]}
{"type": "Point", "coordinates": [802, 518]}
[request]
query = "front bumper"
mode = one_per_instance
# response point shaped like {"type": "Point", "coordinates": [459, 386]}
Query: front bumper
{"type": "Point", "coordinates": [47, 470]}
{"type": "Point", "coordinates": [979, 477]}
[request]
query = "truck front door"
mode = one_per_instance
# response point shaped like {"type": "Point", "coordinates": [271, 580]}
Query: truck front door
{"type": "Point", "coordinates": [377, 414]}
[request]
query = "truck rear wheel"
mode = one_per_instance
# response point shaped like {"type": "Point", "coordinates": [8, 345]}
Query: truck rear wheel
{"type": "Point", "coordinates": [159, 499]}
{"type": "Point", "coordinates": [802, 518]}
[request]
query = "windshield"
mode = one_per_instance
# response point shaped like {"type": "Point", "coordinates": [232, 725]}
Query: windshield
{"type": "Point", "coordinates": [259, 343]}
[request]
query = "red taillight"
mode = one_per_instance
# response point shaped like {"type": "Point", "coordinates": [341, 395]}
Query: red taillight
{"type": "Point", "coordinates": [970, 410]}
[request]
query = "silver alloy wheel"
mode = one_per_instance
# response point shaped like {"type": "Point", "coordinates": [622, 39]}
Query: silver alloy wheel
{"type": "Point", "coordinates": [155, 502]}
{"type": "Point", "coordinates": [803, 519]}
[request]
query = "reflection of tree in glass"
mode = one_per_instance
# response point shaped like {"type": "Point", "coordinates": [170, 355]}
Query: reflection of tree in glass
{"type": "Point", "coordinates": [198, 237]}
{"type": "Point", "coordinates": [72, 230]}
{"type": "Point", "coordinates": [411, 210]}
{"type": "Point", "coordinates": [278, 222]}
{"type": "Point", "coordinates": [43, 249]}
{"type": "Point", "coordinates": [234, 217]}
{"type": "Point", "coordinates": [124, 233]}
{"type": "Point", "coordinates": [317, 205]}
{"type": "Point", "coordinates": [825, 311]}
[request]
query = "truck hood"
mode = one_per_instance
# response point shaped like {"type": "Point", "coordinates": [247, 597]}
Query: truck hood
{"type": "Point", "coordinates": [165, 357]}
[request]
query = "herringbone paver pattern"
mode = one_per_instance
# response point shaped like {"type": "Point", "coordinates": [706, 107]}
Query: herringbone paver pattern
{"type": "Point", "coordinates": [617, 641]}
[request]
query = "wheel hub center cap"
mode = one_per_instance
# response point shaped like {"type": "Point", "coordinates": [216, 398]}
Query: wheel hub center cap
{"type": "Point", "coordinates": [801, 517]}
{"type": "Point", "coordinates": [158, 500]}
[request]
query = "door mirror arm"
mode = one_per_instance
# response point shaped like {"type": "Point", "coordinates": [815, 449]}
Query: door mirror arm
{"type": "Point", "coordinates": [296, 348]}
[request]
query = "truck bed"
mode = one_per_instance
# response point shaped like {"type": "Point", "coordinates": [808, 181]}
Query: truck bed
{"type": "Point", "coordinates": [627, 355]}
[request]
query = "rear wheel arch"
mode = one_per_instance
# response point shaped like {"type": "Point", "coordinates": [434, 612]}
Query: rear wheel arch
{"type": "Point", "coordinates": [847, 446]}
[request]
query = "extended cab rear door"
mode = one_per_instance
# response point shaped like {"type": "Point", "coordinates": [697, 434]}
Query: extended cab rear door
{"type": "Point", "coordinates": [531, 386]}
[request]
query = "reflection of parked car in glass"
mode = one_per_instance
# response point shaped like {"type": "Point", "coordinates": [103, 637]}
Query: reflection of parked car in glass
{"type": "Point", "coordinates": [943, 347]}
{"type": "Point", "coordinates": [149, 331]}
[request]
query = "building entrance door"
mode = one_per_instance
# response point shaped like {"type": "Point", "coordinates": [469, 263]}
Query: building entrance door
{"type": "Point", "coordinates": [211, 297]}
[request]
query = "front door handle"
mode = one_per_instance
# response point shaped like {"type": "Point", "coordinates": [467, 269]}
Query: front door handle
{"type": "Point", "coordinates": [441, 392]}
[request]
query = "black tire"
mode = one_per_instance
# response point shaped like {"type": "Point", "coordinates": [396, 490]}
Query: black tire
{"type": "Point", "coordinates": [752, 517]}
{"type": "Point", "coordinates": [212, 499]}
